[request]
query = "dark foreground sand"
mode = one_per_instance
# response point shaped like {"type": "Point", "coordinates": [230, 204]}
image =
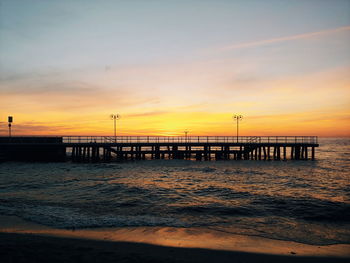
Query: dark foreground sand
{"type": "Point", "coordinates": [23, 241]}
{"type": "Point", "coordinates": [36, 248]}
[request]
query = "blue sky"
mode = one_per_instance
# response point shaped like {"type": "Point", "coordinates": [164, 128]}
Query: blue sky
{"type": "Point", "coordinates": [80, 34]}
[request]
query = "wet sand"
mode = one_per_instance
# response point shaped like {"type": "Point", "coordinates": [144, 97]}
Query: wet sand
{"type": "Point", "coordinates": [22, 241]}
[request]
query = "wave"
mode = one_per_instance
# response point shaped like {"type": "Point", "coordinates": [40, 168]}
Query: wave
{"type": "Point", "coordinates": [64, 217]}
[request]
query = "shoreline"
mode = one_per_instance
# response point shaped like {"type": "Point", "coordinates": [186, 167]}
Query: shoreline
{"type": "Point", "coordinates": [24, 233]}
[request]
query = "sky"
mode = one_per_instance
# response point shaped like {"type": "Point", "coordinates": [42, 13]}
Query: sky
{"type": "Point", "coordinates": [170, 66]}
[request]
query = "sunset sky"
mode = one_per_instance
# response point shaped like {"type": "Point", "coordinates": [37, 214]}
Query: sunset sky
{"type": "Point", "coordinates": [167, 66]}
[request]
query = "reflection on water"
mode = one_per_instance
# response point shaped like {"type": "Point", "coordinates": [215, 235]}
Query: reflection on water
{"type": "Point", "coordinates": [305, 201]}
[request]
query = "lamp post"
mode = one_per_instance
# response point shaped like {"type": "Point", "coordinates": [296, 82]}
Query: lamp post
{"type": "Point", "coordinates": [115, 117]}
{"type": "Point", "coordinates": [237, 118]}
{"type": "Point", "coordinates": [186, 132]}
{"type": "Point", "coordinates": [10, 120]}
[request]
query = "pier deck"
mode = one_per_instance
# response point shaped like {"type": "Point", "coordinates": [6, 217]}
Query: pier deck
{"type": "Point", "coordinates": [104, 148]}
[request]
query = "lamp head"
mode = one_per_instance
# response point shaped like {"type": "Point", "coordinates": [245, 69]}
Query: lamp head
{"type": "Point", "coordinates": [237, 117]}
{"type": "Point", "coordinates": [115, 116]}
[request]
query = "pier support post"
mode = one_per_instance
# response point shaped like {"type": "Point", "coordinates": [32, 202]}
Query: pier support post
{"type": "Point", "coordinates": [302, 152]}
{"type": "Point", "coordinates": [157, 152]}
{"type": "Point", "coordinates": [239, 154]}
{"type": "Point", "coordinates": [175, 152]}
{"type": "Point", "coordinates": [306, 153]}
{"type": "Point", "coordinates": [87, 157]}
{"type": "Point", "coordinates": [297, 152]}
{"type": "Point", "coordinates": [227, 152]}
{"type": "Point", "coordinates": [79, 153]}
{"type": "Point", "coordinates": [73, 153]}
{"type": "Point", "coordinates": [259, 152]}
{"type": "Point", "coordinates": [256, 153]}
{"type": "Point", "coordinates": [84, 154]}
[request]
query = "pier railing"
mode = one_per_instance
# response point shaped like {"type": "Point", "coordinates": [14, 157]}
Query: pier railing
{"type": "Point", "coordinates": [191, 139]}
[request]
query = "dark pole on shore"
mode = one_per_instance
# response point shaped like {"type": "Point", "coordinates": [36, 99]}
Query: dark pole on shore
{"type": "Point", "coordinates": [10, 120]}
{"type": "Point", "coordinates": [237, 118]}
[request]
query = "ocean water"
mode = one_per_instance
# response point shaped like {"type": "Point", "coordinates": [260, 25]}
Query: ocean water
{"type": "Point", "coordinates": [302, 201]}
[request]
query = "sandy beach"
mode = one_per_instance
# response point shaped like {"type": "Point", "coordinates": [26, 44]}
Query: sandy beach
{"type": "Point", "coordinates": [23, 241]}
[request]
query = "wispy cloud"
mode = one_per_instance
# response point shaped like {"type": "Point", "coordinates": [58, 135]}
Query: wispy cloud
{"type": "Point", "coordinates": [37, 128]}
{"type": "Point", "coordinates": [147, 114]}
{"type": "Point", "coordinates": [283, 39]}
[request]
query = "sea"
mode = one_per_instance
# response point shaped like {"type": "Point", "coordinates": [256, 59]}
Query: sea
{"type": "Point", "coordinates": [293, 200]}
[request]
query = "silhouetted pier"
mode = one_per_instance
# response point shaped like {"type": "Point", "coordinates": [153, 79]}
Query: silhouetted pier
{"type": "Point", "coordinates": [106, 149]}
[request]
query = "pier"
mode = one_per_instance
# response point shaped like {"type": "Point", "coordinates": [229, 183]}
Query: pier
{"type": "Point", "coordinates": [120, 148]}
